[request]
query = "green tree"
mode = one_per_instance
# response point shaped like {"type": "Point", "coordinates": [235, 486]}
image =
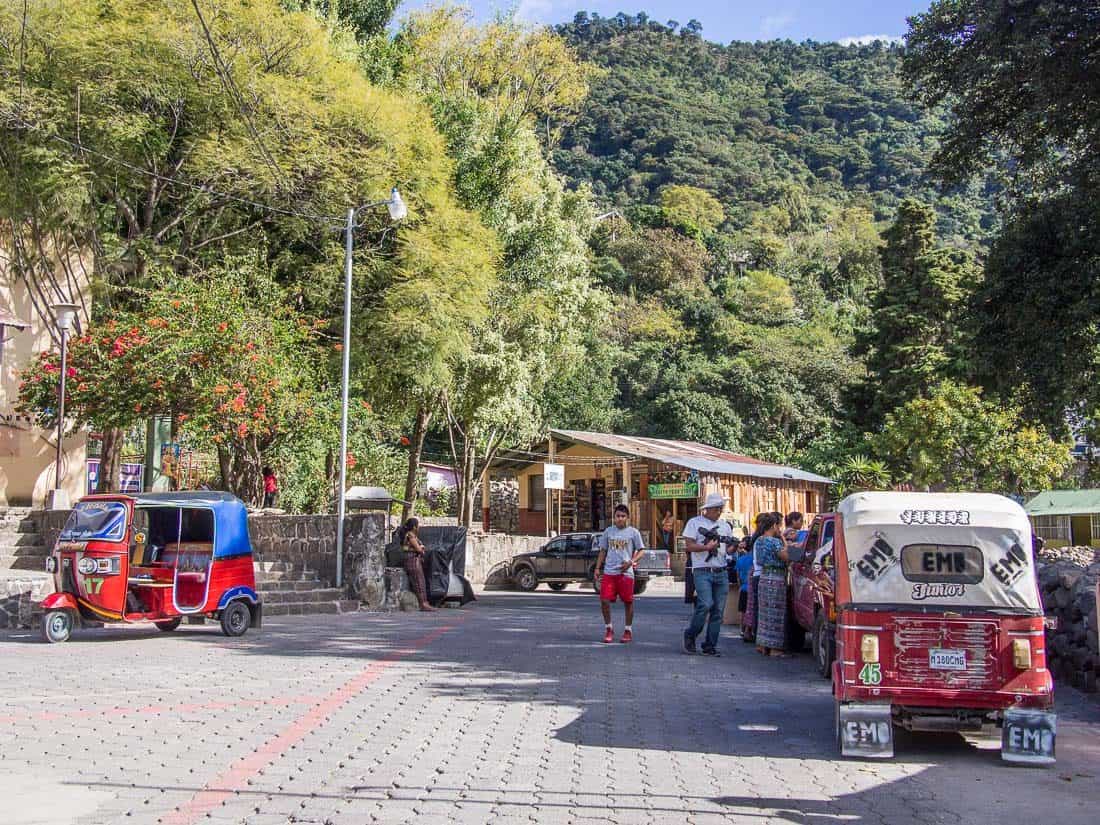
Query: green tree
{"type": "Point", "coordinates": [917, 313]}
{"type": "Point", "coordinates": [489, 89]}
{"type": "Point", "coordinates": [694, 211]}
{"type": "Point", "coordinates": [954, 439]}
{"type": "Point", "coordinates": [1020, 80]}
{"type": "Point", "coordinates": [135, 136]}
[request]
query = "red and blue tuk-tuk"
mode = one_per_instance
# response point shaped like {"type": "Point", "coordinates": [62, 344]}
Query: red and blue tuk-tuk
{"type": "Point", "coordinates": [153, 557]}
{"type": "Point", "coordinates": [939, 623]}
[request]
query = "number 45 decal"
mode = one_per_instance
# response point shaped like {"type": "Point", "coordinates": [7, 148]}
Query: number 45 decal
{"type": "Point", "coordinates": [871, 674]}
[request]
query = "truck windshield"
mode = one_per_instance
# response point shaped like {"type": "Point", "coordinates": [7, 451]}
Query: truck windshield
{"type": "Point", "coordinates": [102, 520]}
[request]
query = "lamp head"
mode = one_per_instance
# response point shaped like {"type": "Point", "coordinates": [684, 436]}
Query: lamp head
{"type": "Point", "coordinates": [64, 315]}
{"type": "Point", "coordinates": [396, 205]}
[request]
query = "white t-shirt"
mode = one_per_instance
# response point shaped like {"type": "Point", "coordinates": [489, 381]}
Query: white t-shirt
{"type": "Point", "coordinates": [691, 531]}
{"type": "Point", "coordinates": [620, 546]}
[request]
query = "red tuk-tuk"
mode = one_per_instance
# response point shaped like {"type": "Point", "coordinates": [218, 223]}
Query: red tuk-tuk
{"type": "Point", "coordinates": [813, 609]}
{"type": "Point", "coordinates": [153, 557]}
{"type": "Point", "coordinates": [939, 623]}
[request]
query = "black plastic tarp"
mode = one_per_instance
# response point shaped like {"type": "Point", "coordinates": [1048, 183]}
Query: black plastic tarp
{"type": "Point", "coordinates": [445, 557]}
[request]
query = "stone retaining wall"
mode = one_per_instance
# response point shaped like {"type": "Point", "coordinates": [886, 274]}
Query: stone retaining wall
{"type": "Point", "coordinates": [1067, 582]}
{"type": "Point", "coordinates": [485, 551]}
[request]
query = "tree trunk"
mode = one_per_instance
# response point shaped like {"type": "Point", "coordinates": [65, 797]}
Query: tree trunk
{"type": "Point", "coordinates": [110, 460]}
{"type": "Point", "coordinates": [420, 431]}
{"type": "Point", "coordinates": [224, 467]}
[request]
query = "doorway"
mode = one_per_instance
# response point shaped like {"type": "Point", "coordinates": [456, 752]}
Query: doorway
{"type": "Point", "coordinates": [1080, 528]}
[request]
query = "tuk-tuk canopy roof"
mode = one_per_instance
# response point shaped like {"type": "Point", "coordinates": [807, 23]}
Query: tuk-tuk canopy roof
{"type": "Point", "coordinates": [937, 550]}
{"type": "Point", "coordinates": [230, 515]}
{"type": "Point", "coordinates": [983, 509]}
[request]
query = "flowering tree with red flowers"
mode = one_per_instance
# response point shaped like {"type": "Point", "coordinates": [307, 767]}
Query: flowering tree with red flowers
{"type": "Point", "coordinates": [220, 354]}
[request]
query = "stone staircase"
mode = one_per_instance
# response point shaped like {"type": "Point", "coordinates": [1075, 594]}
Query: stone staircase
{"type": "Point", "coordinates": [23, 578]}
{"type": "Point", "coordinates": [21, 545]}
{"type": "Point", "coordinates": [290, 590]}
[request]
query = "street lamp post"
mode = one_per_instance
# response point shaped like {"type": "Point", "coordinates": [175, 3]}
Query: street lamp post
{"type": "Point", "coordinates": [398, 211]}
{"type": "Point", "coordinates": [63, 314]}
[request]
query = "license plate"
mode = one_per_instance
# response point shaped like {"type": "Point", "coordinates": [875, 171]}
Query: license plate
{"type": "Point", "coordinates": [1028, 736]}
{"type": "Point", "coordinates": [940, 659]}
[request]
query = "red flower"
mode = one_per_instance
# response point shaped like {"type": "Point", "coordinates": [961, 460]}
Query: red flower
{"type": "Point", "coordinates": [71, 372]}
{"type": "Point", "coordinates": [405, 441]}
{"type": "Point", "coordinates": [351, 461]}
{"type": "Point", "coordinates": [242, 430]}
{"type": "Point", "coordinates": [223, 326]}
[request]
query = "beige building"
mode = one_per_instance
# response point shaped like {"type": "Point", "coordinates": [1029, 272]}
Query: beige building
{"type": "Point", "coordinates": [27, 453]}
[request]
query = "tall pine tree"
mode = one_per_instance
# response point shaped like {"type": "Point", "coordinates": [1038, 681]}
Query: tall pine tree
{"type": "Point", "coordinates": [916, 338]}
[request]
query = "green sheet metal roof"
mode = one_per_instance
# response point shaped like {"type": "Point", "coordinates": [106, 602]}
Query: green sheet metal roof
{"type": "Point", "coordinates": [1064, 503]}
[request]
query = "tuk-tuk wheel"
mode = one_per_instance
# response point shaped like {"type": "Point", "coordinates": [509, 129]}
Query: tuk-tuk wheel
{"type": "Point", "coordinates": [169, 625]}
{"type": "Point", "coordinates": [57, 626]}
{"type": "Point", "coordinates": [236, 619]}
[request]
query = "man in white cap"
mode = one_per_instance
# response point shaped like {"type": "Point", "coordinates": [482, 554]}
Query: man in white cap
{"type": "Point", "coordinates": [708, 567]}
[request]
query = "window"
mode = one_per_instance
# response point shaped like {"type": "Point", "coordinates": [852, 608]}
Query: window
{"type": "Point", "coordinates": [828, 534]}
{"type": "Point", "coordinates": [1054, 528]}
{"type": "Point", "coordinates": [537, 494]}
{"type": "Point", "coordinates": [951, 564]}
{"type": "Point", "coordinates": [1096, 525]}
{"type": "Point", "coordinates": [103, 520]}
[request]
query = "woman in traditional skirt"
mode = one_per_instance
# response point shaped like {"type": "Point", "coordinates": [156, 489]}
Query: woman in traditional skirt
{"type": "Point", "coordinates": [408, 536]}
{"type": "Point", "coordinates": [771, 621]}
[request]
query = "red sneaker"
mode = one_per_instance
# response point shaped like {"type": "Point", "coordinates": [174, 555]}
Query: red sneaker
{"type": "Point", "coordinates": [627, 637]}
{"type": "Point", "coordinates": [609, 636]}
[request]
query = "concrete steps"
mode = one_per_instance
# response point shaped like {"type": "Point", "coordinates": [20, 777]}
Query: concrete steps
{"type": "Point", "coordinates": [21, 544]}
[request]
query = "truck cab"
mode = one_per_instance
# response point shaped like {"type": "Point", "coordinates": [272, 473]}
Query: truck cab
{"type": "Point", "coordinates": [812, 580]}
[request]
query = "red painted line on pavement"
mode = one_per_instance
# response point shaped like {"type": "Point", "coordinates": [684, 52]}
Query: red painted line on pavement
{"type": "Point", "coordinates": [222, 787]}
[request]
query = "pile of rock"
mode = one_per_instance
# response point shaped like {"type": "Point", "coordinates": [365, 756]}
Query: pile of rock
{"type": "Point", "coordinates": [1067, 582]}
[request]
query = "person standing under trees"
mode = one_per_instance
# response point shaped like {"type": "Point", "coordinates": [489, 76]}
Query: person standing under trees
{"type": "Point", "coordinates": [271, 487]}
{"type": "Point", "coordinates": [620, 548]}
{"type": "Point", "coordinates": [409, 540]}
{"type": "Point", "coordinates": [771, 621]}
{"type": "Point", "coordinates": [708, 567]}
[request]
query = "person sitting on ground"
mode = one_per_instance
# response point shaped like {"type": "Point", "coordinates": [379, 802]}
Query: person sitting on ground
{"type": "Point", "coordinates": [771, 615]}
{"type": "Point", "coordinates": [408, 540]}
{"type": "Point", "coordinates": [621, 547]}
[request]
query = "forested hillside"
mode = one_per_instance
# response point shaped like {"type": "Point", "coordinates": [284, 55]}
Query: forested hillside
{"type": "Point", "coordinates": [787, 278]}
{"type": "Point", "coordinates": [747, 120]}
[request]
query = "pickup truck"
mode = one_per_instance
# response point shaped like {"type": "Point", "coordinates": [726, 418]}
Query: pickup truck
{"type": "Point", "coordinates": [813, 610]}
{"type": "Point", "coordinates": [571, 557]}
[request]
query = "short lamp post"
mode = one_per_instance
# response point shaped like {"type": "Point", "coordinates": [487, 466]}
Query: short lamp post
{"type": "Point", "coordinates": [398, 211]}
{"type": "Point", "coordinates": [64, 315]}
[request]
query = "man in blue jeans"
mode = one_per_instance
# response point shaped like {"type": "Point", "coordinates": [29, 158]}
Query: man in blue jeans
{"type": "Point", "coordinates": [708, 567]}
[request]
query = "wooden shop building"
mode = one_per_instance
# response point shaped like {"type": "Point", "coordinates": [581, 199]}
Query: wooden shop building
{"type": "Point", "coordinates": [653, 476]}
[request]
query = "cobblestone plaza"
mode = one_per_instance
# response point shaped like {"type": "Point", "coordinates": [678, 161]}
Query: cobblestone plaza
{"type": "Point", "coordinates": [506, 711]}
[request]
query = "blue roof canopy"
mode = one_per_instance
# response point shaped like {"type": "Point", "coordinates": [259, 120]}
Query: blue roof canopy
{"type": "Point", "coordinates": [230, 516]}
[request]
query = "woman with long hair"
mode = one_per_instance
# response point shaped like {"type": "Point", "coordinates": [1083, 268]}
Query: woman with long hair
{"type": "Point", "coordinates": [409, 540]}
{"type": "Point", "coordinates": [771, 622]}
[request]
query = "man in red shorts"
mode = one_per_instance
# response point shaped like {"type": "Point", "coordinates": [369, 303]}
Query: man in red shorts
{"type": "Point", "coordinates": [620, 549]}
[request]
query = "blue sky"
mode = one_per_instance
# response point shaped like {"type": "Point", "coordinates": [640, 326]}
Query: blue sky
{"type": "Point", "coordinates": [725, 20]}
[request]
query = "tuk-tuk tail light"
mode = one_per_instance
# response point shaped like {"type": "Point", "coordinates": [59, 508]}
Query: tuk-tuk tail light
{"type": "Point", "coordinates": [1021, 654]}
{"type": "Point", "coordinates": [868, 648]}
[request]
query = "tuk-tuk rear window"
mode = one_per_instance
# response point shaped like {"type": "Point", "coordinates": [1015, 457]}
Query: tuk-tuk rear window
{"type": "Point", "coordinates": [95, 520]}
{"type": "Point", "coordinates": [947, 563]}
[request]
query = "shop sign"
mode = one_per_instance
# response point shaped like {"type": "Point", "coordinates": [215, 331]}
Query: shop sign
{"type": "Point", "coordinates": [686, 489]}
{"type": "Point", "coordinates": [553, 476]}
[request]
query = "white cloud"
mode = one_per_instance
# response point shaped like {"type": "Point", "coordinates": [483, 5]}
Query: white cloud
{"type": "Point", "coordinates": [773, 24]}
{"type": "Point", "coordinates": [534, 11]}
{"type": "Point", "coordinates": [866, 39]}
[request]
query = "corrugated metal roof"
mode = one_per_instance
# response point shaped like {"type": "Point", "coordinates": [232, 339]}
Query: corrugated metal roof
{"type": "Point", "coordinates": [689, 454]}
{"type": "Point", "coordinates": [1064, 503]}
